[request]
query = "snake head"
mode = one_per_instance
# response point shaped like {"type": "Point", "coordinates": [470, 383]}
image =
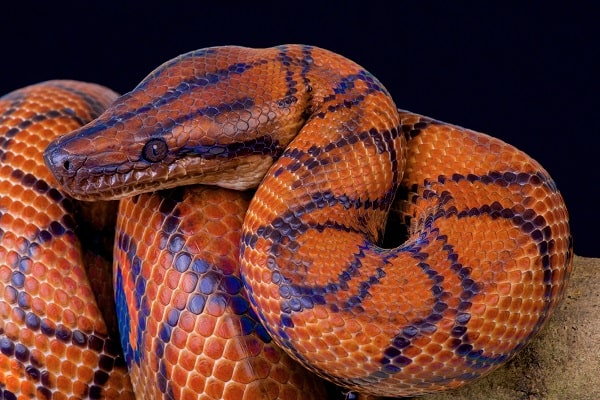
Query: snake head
{"type": "Point", "coordinates": [212, 116]}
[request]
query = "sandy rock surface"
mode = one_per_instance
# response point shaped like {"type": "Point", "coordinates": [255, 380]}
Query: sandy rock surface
{"type": "Point", "coordinates": [563, 362]}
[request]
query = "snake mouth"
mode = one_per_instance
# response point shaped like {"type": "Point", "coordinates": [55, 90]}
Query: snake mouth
{"type": "Point", "coordinates": [84, 181]}
{"type": "Point", "coordinates": [114, 186]}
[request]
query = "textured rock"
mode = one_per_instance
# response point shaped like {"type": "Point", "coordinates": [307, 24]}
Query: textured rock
{"type": "Point", "coordinates": [563, 362]}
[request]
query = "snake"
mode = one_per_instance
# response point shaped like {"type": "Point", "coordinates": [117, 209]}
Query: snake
{"type": "Point", "coordinates": [58, 334]}
{"type": "Point", "coordinates": [387, 252]}
{"type": "Point", "coordinates": [54, 341]}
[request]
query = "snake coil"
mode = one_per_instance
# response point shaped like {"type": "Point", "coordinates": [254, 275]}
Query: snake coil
{"type": "Point", "coordinates": [485, 260]}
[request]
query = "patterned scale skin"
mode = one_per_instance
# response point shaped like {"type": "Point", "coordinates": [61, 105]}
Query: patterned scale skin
{"type": "Point", "coordinates": [486, 253]}
{"type": "Point", "coordinates": [187, 328]}
{"type": "Point", "coordinates": [54, 343]}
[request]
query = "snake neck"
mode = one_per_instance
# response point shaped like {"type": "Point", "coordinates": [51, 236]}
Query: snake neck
{"type": "Point", "coordinates": [218, 116]}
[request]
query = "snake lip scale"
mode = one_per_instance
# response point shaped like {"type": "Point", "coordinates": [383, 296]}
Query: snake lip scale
{"type": "Point", "coordinates": [328, 156]}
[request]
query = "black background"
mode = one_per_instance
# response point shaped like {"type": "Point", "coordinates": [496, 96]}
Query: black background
{"type": "Point", "coordinates": [526, 73]}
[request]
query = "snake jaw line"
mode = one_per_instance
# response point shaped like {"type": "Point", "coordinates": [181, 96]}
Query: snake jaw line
{"type": "Point", "coordinates": [237, 174]}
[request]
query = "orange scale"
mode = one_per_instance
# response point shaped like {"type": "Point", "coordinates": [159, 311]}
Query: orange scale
{"type": "Point", "coordinates": [237, 349]}
{"type": "Point", "coordinates": [491, 300]}
{"type": "Point", "coordinates": [514, 319]}
{"type": "Point", "coordinates": [5, 310]}
{"type": "Point", "coordinates": [316, 330]}
{"type": "Point", "coordinates": [28, 211]}
{"type": "Point", "coordinates": [527, 321]}
{"type": "Point", "coordinates": [13, 381]}
{"type": "Point", "coordinates": [371, 350]}
{"type": "Point", "coordinates": [217, 228]}
{"type": "Point", "coordinates": [303, 343]}
{"type": "Point", "coordinates": [187, 321]}
{"type": "Point", "coordinates": [12, 258]}
{"type": "Point", "coordinates": [246, 372]}
{"type": "Point", "coordinates": [254, 391]}
{"type": "Point", "coordinates": [80, 388]}
{"type": "Point", "coordinates": [71, 285]}
{"type": "Point", "coordinates": [350, 345]}
{"type": "Point", "coordinates": [205, 325]}
{"type": "Point", "coordinates": [556, 279]}
{"type": "Point", "coordinates": [224, 370]}
{"type": "Point", "coordinates": [444, 355]}
{"type": "Point", "coordinates": [65, 385]}
{"type": "Point", "coordinates": [352, 326]}
{"type": "Point", "coordinates": [531, 307]}
{"type": "Point", "coordinates": [31, 229]}
{"type": "Point", "coordinates": [165, 260]}
{"type": "Point", "coordinates": [230, 326]}
{"type": "Point", "coordinates": [179, 376]}
{"type": "Point", "coordinates": [486, 328]}
{"type": "Point", "coordinates": [89, 360]}
{"type": "Point", "coordinates": [510, 333]}
{"type": "Point", "coordinates": [179, 338]}
{"type": "Point", "coordinates": [477, 308]}
{"type": "Point", "coordinates": [413, 351]}
{"type": "Point", "coordinates": [27, 337]}
{"type": "Point", "coordinates": [533, 277]}
{"type": "Point", "coordinates": [53, 312]}
{"type": "Point", "coordinates": [55, 279]}
{"type": "Point", "coordinates": [517, 290]}
{"type": "Point", "coordinates": [424, 359]}
{"type": "Point", "coordinates": [69, 318]}
{"type": "Point", "coordinates": [557, 259]}
{"type": "Point", "coordinates": [148, 237]}
{"type": "Point", "coordinates": [17, 316]}
{"type": "Point", "coordinates": [483, 341]}
{"type": "Point", "coordinates": [6, 170]}
{"type": "Point", "coordinates": [413, 369]}
{"type": "Point", "coordinates": [332, 340]}
{"type": "Point", "coordinates": [6, 272]}
{"type": "Point", "coordinates": [517, 305]}
{"type": "Point", "coordinates": [179, 300]}
{"type": "Point", "coordinates": [433, 349]}
{"type": "Point", "coordinates": [372, 329]}
{"type": "Point", "coordinates": [172, 277]}
{"type": "Point", "coordinates": [58, 349]}
{"type": "Point", "coordinates": [550, 203]}
{"type": "Point", "coordinates": [529, 290]}
{"type": "Point", "coordinates": [300, 332]}
{"type": "Point", "coordinates": [216, 304]}
{"type": "Point", "coordinates": [31, 287]}
{"type": "Point", "coordinates": [28, 389]}
{"type": "Point", "coordinates": [52, 367]}
{"type": "Point", "coordinates": [171, 354]}
{"type": "Point", "coordinates": [191, 393]}
{"type": "Point", "coordinates": [16, 192]}
{"type": "Point", "coordinates": [74, 355]}
{"type": "Point", "coordinates": [6, 220]}
{"type": "Point", "coordinates": [341, 351]}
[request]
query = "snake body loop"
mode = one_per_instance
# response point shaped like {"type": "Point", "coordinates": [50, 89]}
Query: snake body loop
{"type": "Point", "coordinates": [487, 252]}
{"type": "Point", "coordinates": [53, 341]}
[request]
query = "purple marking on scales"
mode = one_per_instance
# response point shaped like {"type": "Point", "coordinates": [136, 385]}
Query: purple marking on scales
{"type": "Point", "coordinates": [263, 145]}
{"type": "Point", "coordinates": [280, 231]}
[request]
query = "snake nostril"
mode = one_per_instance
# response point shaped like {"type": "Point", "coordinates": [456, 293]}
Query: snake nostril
{"type": "Point", "coordinates": [61, 162]}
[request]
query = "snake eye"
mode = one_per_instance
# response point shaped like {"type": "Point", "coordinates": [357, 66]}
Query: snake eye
{"type": "Point", "coordinates": [154, 150]}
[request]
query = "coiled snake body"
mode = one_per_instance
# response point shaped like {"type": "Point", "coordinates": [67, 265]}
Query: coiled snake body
{"type": "Point", "coordinates": [485, 260]}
